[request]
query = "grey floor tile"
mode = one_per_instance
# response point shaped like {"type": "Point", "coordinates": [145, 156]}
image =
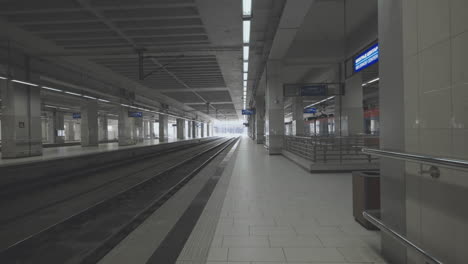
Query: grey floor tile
{"type": "Point", "coordinates": [361, 254]}
{"type": "Point", "coordinates": [289, 241]}
{"type": "Point", "coordinates": [245, 241]}
{"type": "Point", "coordinates": [218, 254]}
{"type": "Point", "coordinates": [313, 254]}
{"type": "Point", "coordinates": [256, 254]}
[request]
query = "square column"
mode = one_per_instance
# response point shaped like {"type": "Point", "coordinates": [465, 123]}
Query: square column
{"type": "Point", "coordinates": [180, 128]}
{"type": "Point", "coordinates": [59, 127]}
{"type": "Point", "coordinates": [260, 119]}
{"type": "Point", "coordinates": [349, 109]}
{"type": "Point", "coordinates": [189, 126]}
{"type": "Point", "coordinates": [202, 130]}
{"type": "Point", "coordinates": [163, 128]}
{"type": "Point", "coordinates": [151, 127]}
{"type": "Point", "coordinates": [298, 116]}
{"type": "Point", "coordinates": [138, 128]}
{"type": "Point", "coordinates": [71, 131]}
{"type": "Point", "coordinates": [208, 127]}
{"type": "Point", "coordinates": [125, 128]}
{"type": "Point", "coordinates": [89, 124]}
{"type": "Point", "coordinates": [194, 129]}
{"type": "Point", "coordinates": [21, 120]}
{"type": "Point", "coordinates": [274, 115]}
{"type": "Point", "coordinates": [103, 130]}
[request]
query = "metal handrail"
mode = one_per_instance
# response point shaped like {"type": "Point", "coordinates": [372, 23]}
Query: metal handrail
{"type": "Point", "coordinates": [402, 239]}
{"type": "Point", "coordinates": [443, 162]}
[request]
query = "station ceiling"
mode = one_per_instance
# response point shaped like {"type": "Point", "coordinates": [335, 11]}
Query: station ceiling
{"type": "Point", "coordinates": [191, 49]}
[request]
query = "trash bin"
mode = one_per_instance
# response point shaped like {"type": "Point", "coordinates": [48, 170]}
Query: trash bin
{"type": "Point", "coordinates": [366, 195]}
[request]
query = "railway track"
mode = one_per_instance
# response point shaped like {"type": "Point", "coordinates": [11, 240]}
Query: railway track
{"type": "Point", "coordinates": [88, 235]}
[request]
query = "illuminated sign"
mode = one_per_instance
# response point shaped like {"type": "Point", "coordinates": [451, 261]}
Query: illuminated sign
{"type": "Point", "coordinates": [76, 115]}
{"type": "Point", "coordinates": [367, 58]}
{"type": "Point", "coordinates": [248, 112]}
{"type": "Point", "coordinates": [135, 114]}
{"type": "Point", "coordinates": [310, 110]}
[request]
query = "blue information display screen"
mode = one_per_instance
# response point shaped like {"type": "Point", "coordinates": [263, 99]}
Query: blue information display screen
{"type": "Point", "coordinates": [248, 112]}
{"type": "Point", "coordinates": [135, 114]}
{"type": "Point", "coordinates": [310, 110]}
{"type": "Point", "coordinates": [76, 115]}
{"type": "Point", "coordinates": [367, 58]}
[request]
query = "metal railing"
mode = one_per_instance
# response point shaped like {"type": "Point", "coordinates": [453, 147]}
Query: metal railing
{"type": "Point", "coordinates": [433, 171]}
{"type": "Point", "coordinates": [400, 238]}
{"type": "Point", "coordinates": [332, 149]}
{"type": "Point", "coordinates": [431, 160]}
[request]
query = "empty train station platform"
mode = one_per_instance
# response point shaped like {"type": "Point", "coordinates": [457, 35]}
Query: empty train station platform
{"type": "Point", "coordinates": [233, 131]}
{"type": "Point", "coordinates": [265, 209]}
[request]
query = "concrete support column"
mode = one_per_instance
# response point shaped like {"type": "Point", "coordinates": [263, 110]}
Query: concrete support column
{"type": "Point", "coordinates": [89, 124]}
{"type": "Point", "coordinates": [59, 127]}
{"type": "Point", "coordinates": [260, 119]}
{"type": "Point", "coordinates": [194, 129]}
{"type": "Point", "coordinates": [189, 126]}
{"type": "Point", "coordinates": [323, 127]}
{"type": "Point", "coordinates": [202, 129]}
{"type": "Point", "coordinates": [349, 110]}
{"type": "Point", "coordinates": [274, 116]}
{"type": "Point", "coordinates": [103, 129]}
{"type": "Point", "coordinates": [138, 129]}
{"type": "Point", "coordinates": [208, 127]}
{"type": "Point", "coordinates": [21, 120]}
{"type": "Point", "coordinates": [125, 128]}
{"type": "Point", "coordinates": [71, 131]}
{"type": "Point", "coordinates": [163, 128]}
{"type": "Point", "coordinates": [180, 128]}
{"type": "Point", "coordinates": [298, 116]}
{"type": "Point", "coordinates": [151, 128]}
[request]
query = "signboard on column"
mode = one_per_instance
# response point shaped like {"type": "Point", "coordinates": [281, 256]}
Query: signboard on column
{"type": "Point", "coordinates": [248, 112]}
{"type": "Point", "coordinates": [135, 114]}
{"type": "Point", "coordinates": [367, 58]}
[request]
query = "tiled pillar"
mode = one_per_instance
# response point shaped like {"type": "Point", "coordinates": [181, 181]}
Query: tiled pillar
{"type": "Point", "coordinates": [194, 129]}
{"type": "Point", "coordinates": [202, 129]}
{"type": "Point", "coordinates": [298, 116]}
{"type": "Point", "coordinates": [151, 127]}
{"type": "Point", "coordinates": [89, 124]}
{"type": "Point", "coordinates": [189, 126]}
{"type": "Point", "coordinates": [21, 120]}
{"type": "Point", "coordinates": [59, 127]}
{"type": "Point", "coordinates": [103, 128]}
{"type": "Point", "coordinates": [208, 127]}
{"type": "Point", "coordinates": [163, 128]}
{"type": "Point", "coordinates": [349, 110]}
{"type": "Point", "coordinates": [125, 128]}
{"type": "Point", "coordinates": [180, 128]}
{"type": "Point", "coordinates": [138, 128]}
{"type": "Point", "coordinates": [71, 131]}
{"type": "Point", "coordinates": [274, 116]}
{"type": "Point", "coordinates": [423, 102]}
{"type": "Point", "coordinates": [260, 119]}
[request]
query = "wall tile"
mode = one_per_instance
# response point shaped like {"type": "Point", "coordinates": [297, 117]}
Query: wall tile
{"type": "Point", "coordinates": [460, 107]}
{"type": "Point", "coordinates": [460, 143]}
{"type": "Point", "coordinates": [412, 140]}
{"type": "Point", "coordinates": [436, 142]}
{"type": "Point", "coordinates": [411, 92]}
{"type": "Point", "coordinates": [459, 9]}
{"type": "Point", "coordinates": [433, 22]}
{"type": "Point", "coordinates": [435, 109]}
{"type": "Point", "coordinates": [434, 67]}
{"type": "Point", "coordinates": [438, 220]}
{"type": "Point", "coordinates": [410, 27]}
{"type": "Point", "coordinates": [459, 58]}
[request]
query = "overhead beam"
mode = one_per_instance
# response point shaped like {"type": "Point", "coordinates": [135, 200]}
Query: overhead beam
{"type": "Point", "coordinates": [191, 90]}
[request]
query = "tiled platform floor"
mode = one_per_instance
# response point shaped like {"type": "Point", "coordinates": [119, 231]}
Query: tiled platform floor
{"type": "Point", "coordinates": [276, 212]}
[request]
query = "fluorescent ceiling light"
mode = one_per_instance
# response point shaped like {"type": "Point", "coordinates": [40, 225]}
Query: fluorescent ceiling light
{"type": "Point", "coordinates": [72, 93]}
{"type": "Point", "coordinates": [371, 81]}
{"type": "Point", "coordinates": [245, 83]}
{"type": "Point", "coordinates": [52, 89]}
{"type": "Point", "coordinates": [51, 106]}
{"type": "Point", "coordinates": [124, 105]}
{"type": "Point", "coordinates": [3, 78]}
{"type": "Point", "coordinates": [27, 83]}
{"type": "Point", "coordinates": [246, 26]}
{"type": "Point", "coordinates": [247, 8]}
{"type": "Point", "coordinates": [246, 66]}
{"type": "Point", "coordinates": [104, 101]}
{"type": "Point", "coordinates": [319, 102]}
{"type": "Point", "coordinates": [246, 75]}
{"type": "Point", "coordinates": [246, 53]}
{"type": "Point", "coordinates": [63, 108]}
{"type": "Point", "coordinates": [89, 97]}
